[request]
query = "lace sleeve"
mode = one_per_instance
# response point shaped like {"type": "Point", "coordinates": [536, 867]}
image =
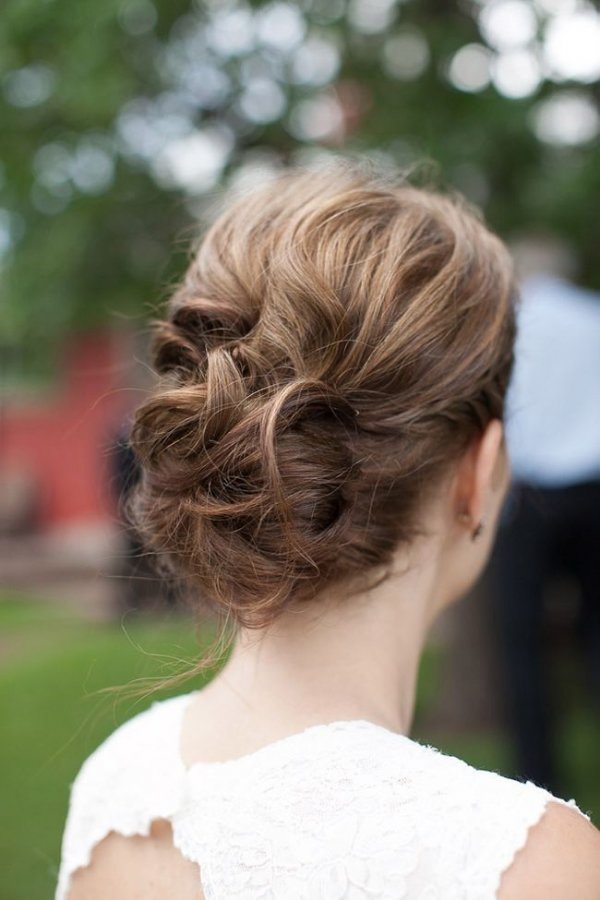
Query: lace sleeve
{"type": "Point", "coordinates": [529, 815]}
{"type": "Point", "coordinates": [501, 814]}
{"type": "Point", "coordinates": [111, 794]}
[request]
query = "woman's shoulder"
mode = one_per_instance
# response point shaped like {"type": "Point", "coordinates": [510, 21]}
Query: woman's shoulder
{"type": "Point", "coordinates": [152, 726]}
{"type": "Point", "coordinates": [532, 844]}
{"type": "Point", "coordinates": [459, 790]}
{"type": "Point", "coordinates": [144, 745]}
{"type": "Point", "coordinates": [561, 858]}
{"type": "Point", "coordinates": [136, 751]}
{"type": "Point", "coordinates": [489, 834]}
{"type": "Point", "coordinates": [132, 778]}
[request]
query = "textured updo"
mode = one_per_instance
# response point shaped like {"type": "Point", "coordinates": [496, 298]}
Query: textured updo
{"type": "Point", "coordinates": [337, 342]}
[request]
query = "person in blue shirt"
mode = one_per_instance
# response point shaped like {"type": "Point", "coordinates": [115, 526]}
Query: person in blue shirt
{"type": "Point", "coordinates": [551, 520]}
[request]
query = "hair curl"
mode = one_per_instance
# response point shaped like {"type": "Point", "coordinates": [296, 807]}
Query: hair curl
{"type": "Point", "coordinates": [338, 340]}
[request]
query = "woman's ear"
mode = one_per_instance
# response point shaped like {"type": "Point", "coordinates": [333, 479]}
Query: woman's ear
{"type": "Point", "coordinates": [483, 472]}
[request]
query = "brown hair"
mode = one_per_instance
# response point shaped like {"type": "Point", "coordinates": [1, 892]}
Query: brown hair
{"type": "Point", "coordinates": [338, 340]}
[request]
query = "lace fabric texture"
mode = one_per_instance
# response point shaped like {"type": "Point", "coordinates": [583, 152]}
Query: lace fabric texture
{"type": "Point", "coordinates": [343, 811]}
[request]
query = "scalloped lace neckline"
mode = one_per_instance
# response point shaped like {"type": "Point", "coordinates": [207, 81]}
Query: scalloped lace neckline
{"type": "Point", "coordinates": [273, 746]}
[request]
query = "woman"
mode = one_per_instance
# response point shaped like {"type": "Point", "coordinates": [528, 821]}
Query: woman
{"type": "Point", "coordinates": [324, 460]}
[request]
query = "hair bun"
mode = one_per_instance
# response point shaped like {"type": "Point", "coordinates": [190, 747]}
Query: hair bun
{"type": "Point", "coordinates": [318, 295]}
{"type": "Point", "coordinates": [271, 484]}
{"type": "Point", "coordinates": [194, 326]}
{"type": "Point", "coordinates": [302, 434]}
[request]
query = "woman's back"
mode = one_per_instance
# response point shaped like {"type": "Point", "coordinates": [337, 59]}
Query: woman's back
{"type": "Point", "coordinates": [321, 454]}
{"type": "Point", "coordinates": [341, 810]}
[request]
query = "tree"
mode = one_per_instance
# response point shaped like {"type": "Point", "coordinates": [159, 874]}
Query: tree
{"type": "Point", "coordinates": [121, 119]}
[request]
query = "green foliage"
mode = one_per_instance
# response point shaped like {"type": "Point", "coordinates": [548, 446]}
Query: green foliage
{"type": "Point", "coordinates": [99, 220]}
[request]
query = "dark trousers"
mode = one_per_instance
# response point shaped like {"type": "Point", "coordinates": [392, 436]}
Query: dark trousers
{"type": "Point", "coordinates": [543, 532]}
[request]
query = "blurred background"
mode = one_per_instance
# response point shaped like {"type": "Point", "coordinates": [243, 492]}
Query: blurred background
{"type": "Point", "coordinates": [121, 122]}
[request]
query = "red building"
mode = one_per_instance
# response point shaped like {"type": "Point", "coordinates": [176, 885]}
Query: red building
{"type": "Point", "coordinates": [58, 444]}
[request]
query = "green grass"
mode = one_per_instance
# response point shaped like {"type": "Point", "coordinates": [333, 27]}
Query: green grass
{"type": "Point", "coordinates": [52, 716]}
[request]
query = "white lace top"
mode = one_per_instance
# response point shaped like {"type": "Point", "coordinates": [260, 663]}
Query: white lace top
{"type": "Point", "coordinates": [342, 810]}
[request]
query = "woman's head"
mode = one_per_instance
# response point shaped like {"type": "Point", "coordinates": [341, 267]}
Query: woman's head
{"type": "Point", "coordinates": [338, 343]}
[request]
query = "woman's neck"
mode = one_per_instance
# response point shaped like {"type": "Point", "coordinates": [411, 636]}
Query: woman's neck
{"type": "Point", "coordinates": [355, 659]}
